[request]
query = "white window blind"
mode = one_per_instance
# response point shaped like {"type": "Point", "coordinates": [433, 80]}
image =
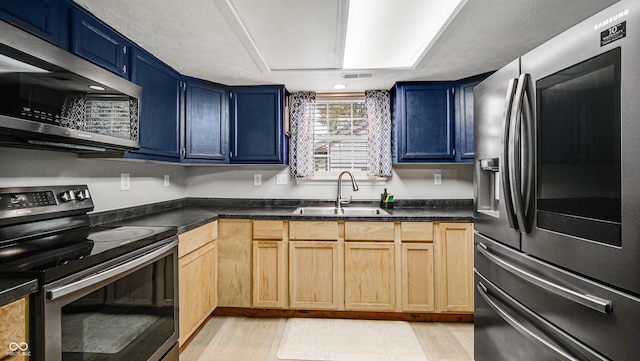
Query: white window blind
{"type": "Point", "coordinates": [340, 135]}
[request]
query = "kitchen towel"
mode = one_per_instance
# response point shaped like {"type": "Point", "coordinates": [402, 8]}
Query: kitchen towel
{"type": "Point", "coordinates": [307, 339]}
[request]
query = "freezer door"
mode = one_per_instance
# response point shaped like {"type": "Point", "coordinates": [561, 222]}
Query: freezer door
{"type": "Point", "coordinates": [604, 319]}
{"type": "Point", "coordinates": [505, 330]}
{"type": "Point", "coordinates": [493, 98]}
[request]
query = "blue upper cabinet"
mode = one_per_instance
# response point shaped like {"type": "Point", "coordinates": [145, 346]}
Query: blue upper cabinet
{"type": "Point", "coordinates": [47, 19]}
{"type": "Point", "coordinates": [424, 122]}
{"type": "Point", "coordinates": [159, 130]}
{"type": "Point", "coordinates": [206, 120]}
{"type": "Point", "coordinates": [464, 117]}
{"type": "Point", "coordinates": [256, 121]}
{"type": "Point", "coordinates": [96, 42]}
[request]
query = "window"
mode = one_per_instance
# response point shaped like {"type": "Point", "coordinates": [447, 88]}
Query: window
{"type": "Point", "coordinates": [340, 135]}
{"type": "Point", "coordinates": [330, 134]}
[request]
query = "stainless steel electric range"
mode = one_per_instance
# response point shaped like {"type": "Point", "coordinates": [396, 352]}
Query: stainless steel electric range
{"type": "Point", "coordinates": [105, 293]}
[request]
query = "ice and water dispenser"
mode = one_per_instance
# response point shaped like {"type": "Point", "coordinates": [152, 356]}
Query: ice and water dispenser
{"type": "Point", "coordinates": [488, 186]}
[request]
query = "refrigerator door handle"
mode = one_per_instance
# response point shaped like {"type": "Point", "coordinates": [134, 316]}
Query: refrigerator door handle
{"type": "Point", "coordinates": [596, 303]}
{"type": "Point", "coordinates": [532, 335]}
{"type": "Point", "coordinates": [505, 162]}
{"type": "Point", "coordinates": [515, 153]}
{"type": "Point", "coordinates": [529, 150]}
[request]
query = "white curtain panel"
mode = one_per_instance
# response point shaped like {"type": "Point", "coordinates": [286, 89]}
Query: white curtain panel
{"type": "Point", "coordinates": [378, 105]}
{"type": "Point", "coordinates": [301, 113]}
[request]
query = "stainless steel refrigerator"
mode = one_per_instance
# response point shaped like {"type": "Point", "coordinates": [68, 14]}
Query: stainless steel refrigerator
{"type": "Point", "coordinates": [557, 201]}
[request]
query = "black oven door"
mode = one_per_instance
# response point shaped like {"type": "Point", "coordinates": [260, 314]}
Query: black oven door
{"type": "Point", "coordinates": [586, 200]}
{"type": "Point", "coordinates": [127, 310]}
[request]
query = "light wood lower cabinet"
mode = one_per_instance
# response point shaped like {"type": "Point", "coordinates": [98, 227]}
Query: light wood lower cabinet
{"type": "Point", "coordinates": [13, 328]}
{"type": "Point", "coordinates": [346, 265]}
{"type": "Point", "coordinates": [369, 276]}
{"type": "Point", "coordinates": [234, 262]}
{"type": "Point", "coordinates": [314, 275]}
{"type": "Point", "coordinates": [316, 265]}
{"type": "Point", "coordinates": [270, 278]}
{"type": "Point", "coordinates": [269, 275]}
{"type": "Point", "coordinates": [418, 288]}
{"type": "Point", "coordinates": [455, 257]}
{"type": "Point", "coordinates": [197, 277]}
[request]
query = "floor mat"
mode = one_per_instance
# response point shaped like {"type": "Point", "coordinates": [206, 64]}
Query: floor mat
{"type": "Point", "coordinates": [349, 340]}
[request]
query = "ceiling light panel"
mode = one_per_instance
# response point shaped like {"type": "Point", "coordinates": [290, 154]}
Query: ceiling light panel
{"type": "Point", "coordinates": [295, 34]}
{"type": "Point", "coordinates": [392, 33]}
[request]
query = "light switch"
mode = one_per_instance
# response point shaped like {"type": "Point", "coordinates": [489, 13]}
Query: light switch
{"type": "Point", "coordinates": [257, 179]}
{"type": "Point", "coordinates": [437, 179]}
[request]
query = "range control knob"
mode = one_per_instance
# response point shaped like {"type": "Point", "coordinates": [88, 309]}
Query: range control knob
{"type": "Point", "coordinates": [83, 194]}
{"type": "Point", "coordinates": [67, 196]}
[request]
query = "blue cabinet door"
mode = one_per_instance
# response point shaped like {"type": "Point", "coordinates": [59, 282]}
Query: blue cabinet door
{"type": "Point", "coordinates": [256, 120]}
{"type": "Point", "coordinates": [44, 18]}
{"type": "Point", "coordinates": [425, 122]}
{"type": "Point", "coordinates": [206, 135]}
{"type": "Point", "coordinates": [159, 108]}
{"type": "Point", "coordinates": [96, 42]}
{"type": "Point", "coordinates": [464, 117]}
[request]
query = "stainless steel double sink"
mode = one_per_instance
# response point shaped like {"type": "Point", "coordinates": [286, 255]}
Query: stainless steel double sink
{"type": "Point", "coordinates": [342, 211]}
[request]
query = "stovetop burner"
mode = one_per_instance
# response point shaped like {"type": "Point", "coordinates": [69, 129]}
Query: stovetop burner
{"type": "Point", "coordinates": [98, 245]}
{"type": "Point", "coordinates": [53, 238]}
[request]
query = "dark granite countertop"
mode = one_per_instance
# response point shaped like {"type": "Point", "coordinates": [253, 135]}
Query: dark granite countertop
{"type": "Point", "coordinates": [191, 213]}
{"type": "Point", "coordinates": [14, 289]}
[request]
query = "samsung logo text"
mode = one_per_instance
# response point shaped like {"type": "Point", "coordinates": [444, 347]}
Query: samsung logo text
{"type": "Point", "coordinates": [611, 19]}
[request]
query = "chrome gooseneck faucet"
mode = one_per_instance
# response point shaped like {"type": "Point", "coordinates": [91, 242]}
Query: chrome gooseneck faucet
{"type": "Point", "coordinates": [339, 200]}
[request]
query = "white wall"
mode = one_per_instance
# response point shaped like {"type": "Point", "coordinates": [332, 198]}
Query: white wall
{"type": "Point", "coordinates": [407, 182]}
{"type": "Point", "coordinates": [26, 167]}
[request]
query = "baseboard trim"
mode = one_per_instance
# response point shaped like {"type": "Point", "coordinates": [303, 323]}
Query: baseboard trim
{"type": "Point", "coordinates": [364, 315]}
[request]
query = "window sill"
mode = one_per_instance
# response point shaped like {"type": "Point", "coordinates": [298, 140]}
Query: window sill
{"type": "Point", "coordinates": [331, 179]}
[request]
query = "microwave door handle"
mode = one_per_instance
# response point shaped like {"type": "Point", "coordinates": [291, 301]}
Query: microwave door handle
{"type": "Point", "coordinates": [505, 162]}
{"type": "Point", "coordinates": [515, 153]}
{"type": "Point", "coordinates": [556, 349]}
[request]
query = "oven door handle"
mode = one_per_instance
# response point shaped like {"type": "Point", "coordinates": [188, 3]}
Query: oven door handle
{"type": "Point", "coordinates": [530, 334]}
{"type": "Point", "coordinates": [596, 303]}
{"type": "Point", "coordinates": [109, 273]}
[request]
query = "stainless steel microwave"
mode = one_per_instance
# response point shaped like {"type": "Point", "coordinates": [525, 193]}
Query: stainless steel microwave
{"type": "Point", "coordinates": [50, 98]}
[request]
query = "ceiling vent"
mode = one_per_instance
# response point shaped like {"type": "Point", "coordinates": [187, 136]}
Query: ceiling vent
{"type": "Point", "coordinates": [356, 75]}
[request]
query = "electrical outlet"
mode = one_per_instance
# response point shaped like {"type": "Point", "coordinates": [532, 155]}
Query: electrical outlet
{"type": "Point", "coordinates": [437, 179]}
{"type": "Point", "coordinates": [282, 178]}
{"type": "Point", "coordinates": [167, 180]}
{"type": "Point", "coordinates": [125, 181]}
{"type": "Point", "coordinates": [257, 179]}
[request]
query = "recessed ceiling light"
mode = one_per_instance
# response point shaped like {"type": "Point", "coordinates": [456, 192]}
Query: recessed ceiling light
{"type": "Point", "coordinates": [339, 86]}
{"type": "Point", "coordinates": [96, 87]}
{"type": "Point", "coordinates": [391, 33]}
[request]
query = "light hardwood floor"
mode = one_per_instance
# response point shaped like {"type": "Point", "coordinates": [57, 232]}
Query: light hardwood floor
{"type": "Point", "coordinates": [258, 339]}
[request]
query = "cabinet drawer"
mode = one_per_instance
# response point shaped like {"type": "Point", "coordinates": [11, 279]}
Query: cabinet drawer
{"type": "Point", "coordinates": [267, 230]}
{"type": "Point", "coordinates": [312, 230]}
{"type": "Point", "coordinates": [416, 231]}
{"type": "Point", "coordinates": [369, 231]}
{"type": "Point", "coordinates": [196, 238]}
